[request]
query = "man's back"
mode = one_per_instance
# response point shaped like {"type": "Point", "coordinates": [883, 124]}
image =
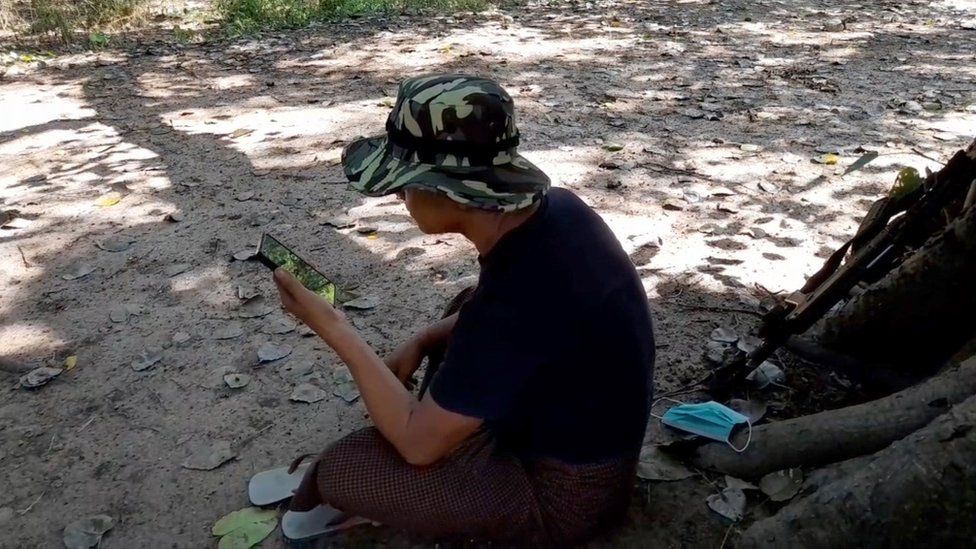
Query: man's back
{"type": "Point", "coordinates": [555, 350]}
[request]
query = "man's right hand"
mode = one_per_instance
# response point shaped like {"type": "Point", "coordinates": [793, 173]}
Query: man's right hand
{"type": "Point", "coordinates": [406, 359]}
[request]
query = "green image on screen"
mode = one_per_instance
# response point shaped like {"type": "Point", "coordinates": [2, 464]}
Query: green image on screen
{"type": "Point", "coordinates": [305, 273]}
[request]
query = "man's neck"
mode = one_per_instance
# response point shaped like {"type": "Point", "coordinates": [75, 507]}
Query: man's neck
{"type": "Point", "coordinates": [484, 231]}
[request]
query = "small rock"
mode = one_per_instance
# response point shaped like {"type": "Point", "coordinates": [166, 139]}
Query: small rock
{"type": "Point", "coordinates": [727, 207]}
{"type": "Point", "coordinates": [174, 217]}
{"type": "Point", "coordinates": [614, 183]}
{"type": "Point", "coordinates": [245, 196]}
{"type": "Point", "coordinates": [613, 147]}
{"type": "Point", "coordinates": [722, 191]}
{"type": "Point", "coordinates": [756, 232]}
{"type": "Point", "coordinates": [180, 338]}
{"type": "Point", "coordinates": [749, 147]}
{"type": "Point", "coordinates": [366, 230]}
{"type": "Point", "coordinates": [768, 187]}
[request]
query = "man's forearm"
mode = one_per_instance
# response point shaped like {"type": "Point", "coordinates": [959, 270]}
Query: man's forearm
{"type": "Point", "coordinates": [388, 402]}
{"type": "Point", "coordinates": [439, 332]}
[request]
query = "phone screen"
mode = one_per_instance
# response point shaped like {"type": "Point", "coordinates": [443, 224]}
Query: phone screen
{"type": "Point", "coordinates": [274, 254]}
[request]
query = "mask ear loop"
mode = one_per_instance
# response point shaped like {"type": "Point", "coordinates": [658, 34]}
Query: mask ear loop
{"type": "Point", "coordinates": [748, 440]}
{"type": "Point", "coordinates": [653, 404]}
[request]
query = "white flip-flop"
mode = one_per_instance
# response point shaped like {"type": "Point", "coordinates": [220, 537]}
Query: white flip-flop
{"type": "Point", "coordinates": [274, 485]}
{"type": "Point", "coordinates": [321, 520]}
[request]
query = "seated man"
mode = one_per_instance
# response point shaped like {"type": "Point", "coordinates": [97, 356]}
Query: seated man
{"type": "Point", "coordinates": [532, 425]}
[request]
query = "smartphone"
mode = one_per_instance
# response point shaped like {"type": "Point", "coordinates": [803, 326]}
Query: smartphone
{"type": "Point", "coordinates": [274, 254]}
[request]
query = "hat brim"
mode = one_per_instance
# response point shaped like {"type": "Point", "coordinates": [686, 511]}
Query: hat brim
{"type": "Point", "coordinates": [374, 169]}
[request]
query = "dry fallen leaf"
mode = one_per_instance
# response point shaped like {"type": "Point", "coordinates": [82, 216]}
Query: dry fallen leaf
{"type": "Point", "coordinates": [306, 392]}
{"type": "Point", "coordinates": [782, 485]}
{"type": "Point", "coordinates": [270, 352]}
{"type": "Point", "coordinates": [731, 503]}
{"type": "Point", "coordinates": [87, 532]}
{"type": "Point", "coordinates": [108, 200]}
{"type": "Point", "coordinates": [210, 457]}
{"type": "Point", "coordinates": [39, 376]}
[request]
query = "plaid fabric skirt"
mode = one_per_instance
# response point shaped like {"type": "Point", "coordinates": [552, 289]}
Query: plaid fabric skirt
{"type": "Point", "coordinates": [476, 492]}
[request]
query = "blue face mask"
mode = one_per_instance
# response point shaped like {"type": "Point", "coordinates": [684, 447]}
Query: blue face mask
{"type": "Point", "coordinates": [708, 419]}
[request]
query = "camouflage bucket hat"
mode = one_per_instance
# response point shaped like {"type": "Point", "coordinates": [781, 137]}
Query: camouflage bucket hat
{"type": "Point", "coordinates": [454, 134]}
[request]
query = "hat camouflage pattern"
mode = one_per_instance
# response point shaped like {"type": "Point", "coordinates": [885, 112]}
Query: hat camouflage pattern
{"type": "Point", "coordinates": [452, 133]}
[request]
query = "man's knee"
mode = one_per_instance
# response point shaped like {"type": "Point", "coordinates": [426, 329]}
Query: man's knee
{"type": "Point", "coordinates": [345, 465]}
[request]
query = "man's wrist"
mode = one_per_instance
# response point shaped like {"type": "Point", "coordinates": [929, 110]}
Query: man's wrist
{"type": "Point", "coordinates": [425, 339]}
{"type": "Point", "coordinates": [327, 323]}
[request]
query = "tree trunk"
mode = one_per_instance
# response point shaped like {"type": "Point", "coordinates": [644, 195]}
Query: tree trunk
{"type": "Point", "coordinates": [921, 491]}
{"type": "Point", "coordinates": [920, 314]}
{"type": "Point", "coordinates": [841, 434]}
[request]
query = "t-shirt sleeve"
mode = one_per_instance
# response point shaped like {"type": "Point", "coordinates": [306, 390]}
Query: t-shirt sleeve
{"type": "Point", "coordinates": [494, 352]}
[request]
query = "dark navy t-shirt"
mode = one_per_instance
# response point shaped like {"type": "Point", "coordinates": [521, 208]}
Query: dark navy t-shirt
{"type": "Point", "coordinates": [555, 349]}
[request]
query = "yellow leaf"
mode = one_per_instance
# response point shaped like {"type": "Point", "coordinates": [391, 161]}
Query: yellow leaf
{"type": "Point", "coordinates": [70, 362]}
{"type": "Point", "coordinates": [830, 159]}
{"type": "Point", "coordinates": [110, 199]}
{"type": "Point", "coordinates": [372, 236]}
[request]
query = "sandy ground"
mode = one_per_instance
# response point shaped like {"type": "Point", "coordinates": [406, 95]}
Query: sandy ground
{"type": "Point", "coordinates": [721, 109]}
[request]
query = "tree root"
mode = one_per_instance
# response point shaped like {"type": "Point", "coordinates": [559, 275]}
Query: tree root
{"type": "Point", "coordinates": [838, 435]}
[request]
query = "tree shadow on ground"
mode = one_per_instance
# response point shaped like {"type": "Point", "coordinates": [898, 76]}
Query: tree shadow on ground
{"type": "Point", "coordinates": [642, 75]}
